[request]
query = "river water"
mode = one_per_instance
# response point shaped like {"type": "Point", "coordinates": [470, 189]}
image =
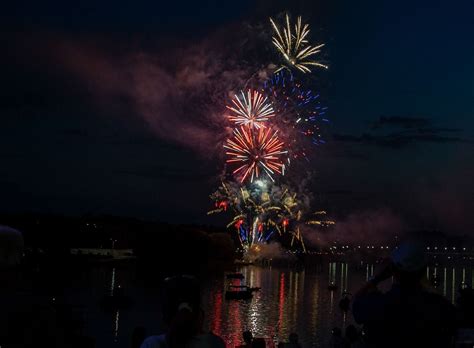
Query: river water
{"type": "Point", "coordinates": [290, 300]}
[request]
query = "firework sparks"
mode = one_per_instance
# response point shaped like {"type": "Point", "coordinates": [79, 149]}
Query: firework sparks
{"type": "Point", "coordinates": [294, 46]}
{"type": "Point", "coordinates": [250, 109]}
{"type": "Point", "coordinates": [321, 221]}
{"type": "Point", "coordinates": [300, 114]}
{"type": "Point", "coordinates": [262, 211]}
{"type": "Point", "coordinates": [268, 124]}
{"type": "Point", "coordinates": [257, 151]}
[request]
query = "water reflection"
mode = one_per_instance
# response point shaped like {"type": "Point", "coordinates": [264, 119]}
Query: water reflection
{"type": "Point", "coordinates": [112, 282]}
{"type": "Point", "coordinates": [342, 278]}
{"type": "Point", "coordinates": [290, 300]}
{"type": "Point", "coordinates": [300, 301]}
{"type": "Point", "coordinates": [369, 271]}
{"type": "Point", "coordinates": [116, 325]}
{"type": "Point", "coordinates": [444, 282]}
{"type": "Point", "coordinates": [332, 272]}
{"type": "Point", "coordinates": [344, 270]}
{"type": "Point", "coordinates": [453, 282]}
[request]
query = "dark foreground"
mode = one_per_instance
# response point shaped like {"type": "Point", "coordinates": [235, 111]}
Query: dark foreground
{"type": "Point", "coordinates": [291, 299]}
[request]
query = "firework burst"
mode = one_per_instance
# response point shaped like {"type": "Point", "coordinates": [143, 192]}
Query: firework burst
{"type": "Point", "coordinates": [269, 124]}
{"type": "Point", "coordinates": [294, 46]}
{"type": "Point", "coordinates": [250, 109]}
{"type": "Point", "coordinates": [262, 211]}
{"type": "Point", "coordinates": [300, 114]}
{"type": "Point", "coordinates": [256, 152]}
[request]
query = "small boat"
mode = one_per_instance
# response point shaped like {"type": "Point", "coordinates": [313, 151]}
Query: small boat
{"type": "Point", "coordinates": [238, 292]}
{"type": "Point", "coordinates": [234, 276]}
{"type": "Point", "coordinates": [332, 286]}
{"type": "Point", "coordinates": [245, 287]}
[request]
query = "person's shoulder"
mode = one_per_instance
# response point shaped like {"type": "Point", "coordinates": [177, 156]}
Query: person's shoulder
{"type": "Point", "coordinates": [210, 340]}
{"type": "Point", "coordinates": [154, 342]}
{"type": "Point", "coordinates": [216, 340]}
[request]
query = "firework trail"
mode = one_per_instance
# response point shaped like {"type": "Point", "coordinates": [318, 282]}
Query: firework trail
{"type": "Point", "coordinates": [250, 109]}
{"type": "Point", "coordinates": [256, 152]}
{"type": "Point", "coordinates": [294, 46]}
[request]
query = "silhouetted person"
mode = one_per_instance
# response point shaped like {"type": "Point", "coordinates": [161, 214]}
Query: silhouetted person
{"type": "Point", "coordinates": [352, 337]}
{"type": "Point", "coordinates": [408, 315]}
{"type": "Point", "coordinates": [27, 319]}
{"type": "Point", "coordinates": [248, 338]}
{"type": "Point", "coordinates": [293, 341]}
{"type": "Point", "coordinates": [138, 336]}
{"type": "Point", "coordinates": [345, 303]}
{"type": "Point", "coordinates": [466, 307]}
{"type": "Point", "coordinates": [258, 342]}
{"type": "Point", "coordinates": [184, 318]}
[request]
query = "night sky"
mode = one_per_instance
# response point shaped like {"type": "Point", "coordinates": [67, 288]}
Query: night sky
{"type": "Point", "coordinates": [87, 126]}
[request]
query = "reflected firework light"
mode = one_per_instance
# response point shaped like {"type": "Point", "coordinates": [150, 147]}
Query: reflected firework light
{"type": "Point", "coordinates": [255, 152]}
{"type": "Point", "coordinates": [293, 45]}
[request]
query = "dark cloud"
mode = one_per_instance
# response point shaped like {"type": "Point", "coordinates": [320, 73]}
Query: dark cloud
{"type": "Point", "coordinates": [402, 122]}
{"type": "Point", "coordinates": [420, 124]}
{"type": "Point", "coordinates": [397, 140]}
{"type": "Point", "coordinates": [399, 132]}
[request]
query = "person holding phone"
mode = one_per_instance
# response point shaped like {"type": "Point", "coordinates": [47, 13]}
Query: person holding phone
{"type": "Point", "coordinates": [409, 314]}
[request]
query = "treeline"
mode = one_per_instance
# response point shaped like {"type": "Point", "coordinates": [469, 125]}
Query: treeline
{"type": "Point", "coordinates": [157, 245]}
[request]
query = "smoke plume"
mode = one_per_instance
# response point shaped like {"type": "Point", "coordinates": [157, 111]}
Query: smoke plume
{"type": "Point", "coordinates": [179, 91]}
{"type": "Point", "coordinates": [271, 251]}
{"type": "Point", "coordinates": [375, 227]}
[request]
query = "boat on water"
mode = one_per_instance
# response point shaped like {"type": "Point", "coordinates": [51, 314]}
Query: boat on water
{"type": "Point", "coordinates": [245, 287]}
{"type": "Point", "coordinates": [332, 286]}
{"type": "Point", "coordinates": [235, 275]}
{"type": "Point", "coordinates": [239, 292]}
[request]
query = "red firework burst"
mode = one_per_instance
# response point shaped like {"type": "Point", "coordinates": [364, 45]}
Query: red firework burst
{"type": "Point", "coordinates": [257, 151]}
